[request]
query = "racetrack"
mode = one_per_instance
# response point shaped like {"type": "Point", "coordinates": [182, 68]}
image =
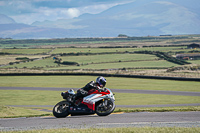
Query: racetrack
{"type": "Point", "coordinates": [141, 119]}
{"type": "Point", "coordinates": [157, 119]}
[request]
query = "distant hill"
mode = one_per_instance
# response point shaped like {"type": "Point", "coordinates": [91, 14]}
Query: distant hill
{"type": "Point", "coordinates": [139, 18]}
{"type": "Point", "coordinates": [147, 17]}
{"type": "Point", "coordinates": [6, 20]}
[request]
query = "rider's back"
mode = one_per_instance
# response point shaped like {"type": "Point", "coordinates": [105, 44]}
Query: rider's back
{"type": "Point", "coordinates": [89, 86]}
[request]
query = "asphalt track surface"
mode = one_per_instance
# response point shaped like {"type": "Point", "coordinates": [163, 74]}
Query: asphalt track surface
{"type": "Point", "coordinates": [140, 119]}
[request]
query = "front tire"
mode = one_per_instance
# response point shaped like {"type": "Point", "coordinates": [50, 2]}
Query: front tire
{"type": "Point", "coordinates": [60, 110]}
{"type": "Point", "coordinates": [104, 110]}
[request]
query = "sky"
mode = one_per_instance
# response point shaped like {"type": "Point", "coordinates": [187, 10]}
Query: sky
{"type": "Point", "coordinates": [29, 11]}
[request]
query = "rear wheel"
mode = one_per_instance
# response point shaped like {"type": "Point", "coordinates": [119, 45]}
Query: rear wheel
{"type": "Point", "coordinates": [105, 107]}
{"type": "Point", "coordinates": [60, 110]}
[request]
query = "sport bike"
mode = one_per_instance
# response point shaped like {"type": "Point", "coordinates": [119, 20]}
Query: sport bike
{"type": "Point", "coordinates": [99, 101]}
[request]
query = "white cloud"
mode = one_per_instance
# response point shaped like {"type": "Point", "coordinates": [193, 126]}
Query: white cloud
{"type": "Point", "coordinates": [45, 13]}
{"type": "Point", "coordinates": [24, 11]}
{"type": "Point", "coordinates": [72, 12]}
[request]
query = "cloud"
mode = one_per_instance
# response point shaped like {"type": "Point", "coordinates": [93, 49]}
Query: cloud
{"type": "Point", "coordinates": [44, 13]}
{"type": "Point", "coordinates": [72, 12]}
{"type": "Point", "coordinates": [29, 11]}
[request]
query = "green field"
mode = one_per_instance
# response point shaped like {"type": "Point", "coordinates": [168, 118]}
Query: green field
{"type": "Point", "coordinates": [6, 59]}
{"type": "Point", "coordinates": [35, 64]}
{"type": "Point", "coordinates": [13, 112]}
{"type": "Point", "coordinates": [106, 50]}
{"type": "Point", "coordinates": [195, 61]}
{"type": "Point", "coordinates": [108, 58]}
{"type": "Point", "coordinates": [88, 50]}
{"type": "Point", "coordinates": [112, 82]}
{"type": "Point", "coordinates": [105, 57]}
{"type": "Point", "coordinates": [26, 51]}
{"type": "Point", "coordinates": [104, 61]}
{"type": "Point", "coordinates": [121, 65]}
{"type": "Point", "coordinates": [84, 60]}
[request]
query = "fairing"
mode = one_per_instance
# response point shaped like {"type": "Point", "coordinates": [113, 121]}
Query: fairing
{"type": "Point", "coordinates": [96, 96]}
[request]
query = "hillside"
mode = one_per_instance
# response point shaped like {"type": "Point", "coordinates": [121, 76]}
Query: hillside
{"type": "Point", "coordinates": [6, 20]}
{"type": "Point", "coordinates": [138, 18]}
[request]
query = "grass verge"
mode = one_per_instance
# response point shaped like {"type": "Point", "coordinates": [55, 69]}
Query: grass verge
{"type": "Point", "coordinates": [159, 109]}
{"type": "Point", "coordinates": [14, 112]}
{"type": "Point", "coordinates": [117, 130]}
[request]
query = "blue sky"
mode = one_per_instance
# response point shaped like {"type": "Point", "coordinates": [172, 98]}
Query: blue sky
{"type": "Point", "coordinates": [29, 11]}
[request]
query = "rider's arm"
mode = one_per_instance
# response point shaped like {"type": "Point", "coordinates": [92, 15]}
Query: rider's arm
{"type": "Point", "coordinates": [89, 86]}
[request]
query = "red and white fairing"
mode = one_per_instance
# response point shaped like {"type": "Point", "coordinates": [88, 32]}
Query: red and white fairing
{"type": "Point", "coordinates": [96, 96]}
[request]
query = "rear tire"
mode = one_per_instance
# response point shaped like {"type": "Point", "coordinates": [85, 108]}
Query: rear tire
{"type": "Point", "coordinates": [60, 110]}
{"type": "Point", "coordinates": [105, 110]}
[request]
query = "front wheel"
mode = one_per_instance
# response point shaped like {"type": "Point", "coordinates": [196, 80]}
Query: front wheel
{"type": "Point", "coordinates": [105, 107]}
{"type": "Point", "coordinates": [60, 110]}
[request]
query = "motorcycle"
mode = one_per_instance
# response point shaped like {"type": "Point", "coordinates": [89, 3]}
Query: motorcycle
{"type": "Point", "coordinates": [99, 101]}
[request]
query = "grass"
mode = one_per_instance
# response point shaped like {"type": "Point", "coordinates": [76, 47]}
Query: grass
{"type": "Point", "coordinates": [158, 63]}
{"type": "Point", "coordinates": [153, 99]}
{"type": "Point", "coordinates": [159, 109]}
{"type": "Point", "coordinates": [49, 62]}
{"type": "Point", "coordinates": [5, 59]}
{"type": "Point", "coordinates": [102, 50]}
{"type": "Point", "coordinates": [30, 97]}
{"type": "Point", "coordinates": [117, 130]}
{"type": "Point", "coordinates": [33, 64]}
{"type": "Point", "coordinates": [139, 60]}
{"type": "Point", "coordinates": [108, 58]}
{"type": "Point", "coordinates": [12, 112]}
{"type": "Point", "coordinates": [25, 51]}
{"type": "Point", "coordinates": [92, 62]}
{"type": "Point", "coordinates": [112, 82]}
{"type": "Point", "coordinates": [195, 62]}
{"type": "Point", "coordinates": [45, 63]}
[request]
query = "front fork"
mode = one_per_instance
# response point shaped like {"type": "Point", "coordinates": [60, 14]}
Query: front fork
{"type": "Point", "coordinates": [104, 103]}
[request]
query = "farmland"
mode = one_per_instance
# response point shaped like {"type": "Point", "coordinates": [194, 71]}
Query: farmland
{"type": "Point", "coordinates": [152, 56]}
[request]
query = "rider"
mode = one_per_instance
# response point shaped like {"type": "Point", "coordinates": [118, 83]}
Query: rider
{"type": "Point", "coordinates": [99, 84]}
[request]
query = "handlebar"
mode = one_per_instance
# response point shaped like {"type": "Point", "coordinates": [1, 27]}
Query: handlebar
{"type": "Point", "coordinates": [102, 89]}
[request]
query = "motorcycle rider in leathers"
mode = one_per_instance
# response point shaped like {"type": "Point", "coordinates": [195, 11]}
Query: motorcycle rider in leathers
{"type": "Point", "coordinates": [99, 85]}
